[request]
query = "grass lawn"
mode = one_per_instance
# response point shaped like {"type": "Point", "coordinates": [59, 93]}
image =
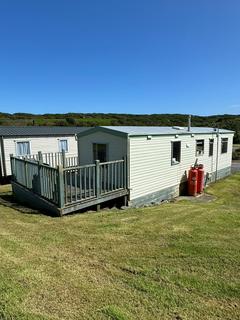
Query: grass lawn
{"type": "Point", "coordinates": [175, 261]}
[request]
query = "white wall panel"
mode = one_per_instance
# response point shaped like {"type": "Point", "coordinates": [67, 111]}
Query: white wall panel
{"type": "Point", "coordinates": [44, 144]}
{"type": "Point", "coordinates": [150, 161]}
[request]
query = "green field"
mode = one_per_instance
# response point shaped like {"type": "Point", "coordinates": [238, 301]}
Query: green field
{"type": "Point", "coordinates": [178, 261]}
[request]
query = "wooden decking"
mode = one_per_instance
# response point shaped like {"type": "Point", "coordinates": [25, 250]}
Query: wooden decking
{"type": "Point", "coordinates": [69, 189]}
{"type": "Point", "coordinates": [90, 202]}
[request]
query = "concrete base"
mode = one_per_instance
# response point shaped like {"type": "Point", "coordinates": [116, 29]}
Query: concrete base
{"type": "Point", "coordinates": [155, 197]}
{"type": "Point", "coordinates": [222, 173]}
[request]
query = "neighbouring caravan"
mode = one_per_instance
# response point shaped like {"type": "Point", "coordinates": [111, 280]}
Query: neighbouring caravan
{"type": "Point", "coordinates": [158, 157]}
{"type": "Point", "coordinates": [28, 140]}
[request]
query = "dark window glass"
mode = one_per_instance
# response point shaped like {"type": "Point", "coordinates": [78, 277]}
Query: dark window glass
{"type": "Point", "coordinates": [199, 147]}
{"type": "Point", "coordinates": [211, 143]}
{"type": "Point", "coordinates": [176, 152]}
{"type": "Point", "coordinates": [224, 145]}
{"type": "Point", "coordinates": [100, 152]}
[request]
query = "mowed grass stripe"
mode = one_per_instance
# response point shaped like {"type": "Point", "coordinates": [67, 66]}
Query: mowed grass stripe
{"type": "Point", "coordinates": [175, 261]}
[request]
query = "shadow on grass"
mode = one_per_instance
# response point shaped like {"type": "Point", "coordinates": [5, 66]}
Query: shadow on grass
{"type": "Point", "coordinates": [7, 199]}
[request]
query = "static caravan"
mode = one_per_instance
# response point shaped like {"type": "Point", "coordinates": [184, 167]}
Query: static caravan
{"type": "Point", "coordinates": [158, 157]}
{"type": "Point", "coordinates": [28, 140]}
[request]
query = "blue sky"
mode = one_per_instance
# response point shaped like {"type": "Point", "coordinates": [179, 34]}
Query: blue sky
{"type": "Point", "coordinates": [123, 56]}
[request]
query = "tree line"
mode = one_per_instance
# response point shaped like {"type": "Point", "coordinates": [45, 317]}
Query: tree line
{"type": "Point", "coordinates": [226, 121]}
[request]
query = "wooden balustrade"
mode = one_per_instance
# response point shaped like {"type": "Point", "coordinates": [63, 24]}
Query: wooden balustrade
{"type": "Point", "coordinates": [53, 159]}
{"type": "Point", "coordinates": [37, 177]}
{"type": "Point", "coordinates": [68, 185]}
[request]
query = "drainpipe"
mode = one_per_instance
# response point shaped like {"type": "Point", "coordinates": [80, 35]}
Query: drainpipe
{"type": "Point", "coordinates": [189, 123]}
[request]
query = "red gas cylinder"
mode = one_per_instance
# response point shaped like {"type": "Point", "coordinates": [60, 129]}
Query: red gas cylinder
{"type": "Point", "coordinates": [192, 181]}
{"type": "Point", "coordinates": [200, 180]}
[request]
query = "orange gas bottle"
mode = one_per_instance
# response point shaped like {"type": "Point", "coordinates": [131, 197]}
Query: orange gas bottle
{"type": "Point", "coordinates": [192, 181]}
{"type": "Point", "coordinates": [200, 180]}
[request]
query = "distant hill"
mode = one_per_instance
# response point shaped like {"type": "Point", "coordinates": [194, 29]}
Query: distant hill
{"type": "Point", "coordinates": [225, 121]}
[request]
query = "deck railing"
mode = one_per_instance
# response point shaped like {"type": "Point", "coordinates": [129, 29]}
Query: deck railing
{"type": "Point", "coordinates": [53, 159]}
{"type": "Point", "coordinates": [37, 177]}
{"type": "Point", "coordinates": [69, 185]}
{"type": "Point", "coordinates": [93, 181]}
{"type": "Point", "coordinates": [79, 183]}
{"type": "Point", "coordinates": [112, 176]}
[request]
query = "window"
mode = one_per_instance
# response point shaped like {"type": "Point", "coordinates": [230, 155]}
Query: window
{"type": "Point", "coordinates": [199, 147]}
{"type": "Point", "coordinates": [211, 143]}
{"type": "Point", "coordinates": [224, 145]}
{"type": "Point", "coordinates": [23, 148]}
{"type": "Point", "coordinates": [176, 152]}
{"type": "Point", "coordinates": [63, 145]}
{"type": "Point", "coordinates": [100, 152]}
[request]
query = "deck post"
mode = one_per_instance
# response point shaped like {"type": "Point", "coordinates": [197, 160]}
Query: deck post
{"type": "Point", "coordinates": [12, 162]}
{"type": "Point", "coordinates": [40, 157]}
{"type": "Point", "coordinates": [125, 201]}
{"type": "Point", "coordinates": [63, 158]}
{"type": "Point", "coordinates": [25, 172]}
{"type": "Point", "coordinates": [40, 162]}
{"type": "Point", "coordinates": [125, 172]}
{"type": "Point", "coordinates": [98, 191]}
{"type": "Point", "coordinates": [61, 201]}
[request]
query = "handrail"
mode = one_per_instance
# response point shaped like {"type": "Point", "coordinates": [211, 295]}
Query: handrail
{"type": "Point", "coordinates": [110, 162]}
{"type": "Point", "coordinates": [79, 167]}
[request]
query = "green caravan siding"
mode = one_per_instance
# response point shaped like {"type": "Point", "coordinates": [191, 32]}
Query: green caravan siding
{"type": "Point", "coordinates": [116, 146]}
{"type": "Point", "coordinates": [151, 169]}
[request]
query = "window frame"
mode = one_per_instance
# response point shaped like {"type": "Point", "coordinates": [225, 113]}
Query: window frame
{"type": "Point", "coordinates": [211, 147]}
{"type": "Point", "coordinates": [197, 152]}
{"type": "Point", "coordinates": [59, 145]}
{"type": "Point", "coordinates": [16, 147]}
{"type": "Point", "coordinates": [93, 153]}
{"type": "Point", "coordinates": [222, 145]}
{"type": "Point", "coordinates": [180, 152]}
